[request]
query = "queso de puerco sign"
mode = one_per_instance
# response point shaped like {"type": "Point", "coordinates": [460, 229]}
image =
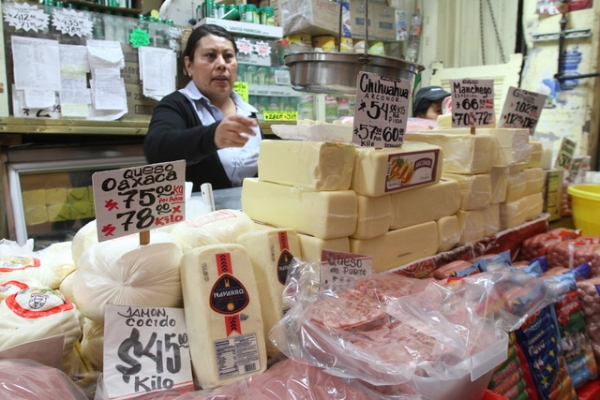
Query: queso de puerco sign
{"type": "Point", "coordinates": [137, 199]}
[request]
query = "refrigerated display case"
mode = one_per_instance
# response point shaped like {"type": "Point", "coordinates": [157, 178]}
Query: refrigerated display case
{"type": "Point", "coordinates": [49, 192]}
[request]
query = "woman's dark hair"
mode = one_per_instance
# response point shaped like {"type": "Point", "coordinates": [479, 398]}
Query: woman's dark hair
{"type": "Point", "coordinates": [199, 33]}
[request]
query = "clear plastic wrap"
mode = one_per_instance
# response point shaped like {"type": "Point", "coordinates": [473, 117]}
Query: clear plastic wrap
{"type": "Point", "coordinates": [27, 379]}
{"type": "Point", "coordinates": [422, 334]}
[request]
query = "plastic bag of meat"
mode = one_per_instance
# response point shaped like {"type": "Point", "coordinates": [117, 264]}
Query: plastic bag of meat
{"type": "Point", "coordinates": [30, 380]}
{"type": "Point", "coordinates": [289, 380]}
{"type": "Point", "coordinates": [537, 245]}
{"type": "Point", "coordinates": [563, 254]}
{"type": "Point", "coordinates": [588, 291]}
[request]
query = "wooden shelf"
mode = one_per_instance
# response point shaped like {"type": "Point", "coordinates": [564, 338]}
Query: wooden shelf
{"type": "Point", "coordinates": [69, 126]}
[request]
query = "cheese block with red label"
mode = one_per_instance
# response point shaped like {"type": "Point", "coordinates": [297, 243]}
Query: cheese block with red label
{"type": "Point", "coordinates": [312, 247]}
{"type": "Point", "coordinates": [449, 232]}
{"type": "Point", "coordinates": [399, 247]}
{"type": "Point", "coordinates": [34, 314]}
{"type": "Point", "coordinates": [325, 214]}
{"type": "Point", "coordinates": [221, 226]}
{"type": "Point", "coordinates": [374, 217]}
{"type": "Point", "coordinates": [8, 288]}
{"type": "Point", "coordinates": [378, 172]}
{"type": "Point", "coordinates": [306, 164]}
{"type": "Point", "coordinates": [23, 265]}
{"type": "Point", "coordinates": [271, 253]}
{"type": "Point", "coordinates": [223, 314]}
{"type": "Point", "coordinates": [432, 202]}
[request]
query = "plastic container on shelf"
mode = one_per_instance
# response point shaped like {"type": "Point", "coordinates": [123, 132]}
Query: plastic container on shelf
{"type": "Point", "coordinates": [414, 36]}
{"type": "Point", "coordinates": [586, 207]}
{"type": "Point", "coordinates": [268, 16]}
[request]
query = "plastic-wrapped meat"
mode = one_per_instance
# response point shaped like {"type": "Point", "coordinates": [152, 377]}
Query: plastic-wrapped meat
{"type": "Point", "coordinates": [349, 309]}
{"type": "Point", "coordinates": [537, 245]}
{"type": "Point", "coordinates": [588, 254]}
{"type": "Point", "coordinates": [444, 271]}
{"type": "Point", "coordinates": [590, 305]}
{"type": "Point", "coordinates": [562, 254]}
{"type": "Point", "coordinates": [385, 287]}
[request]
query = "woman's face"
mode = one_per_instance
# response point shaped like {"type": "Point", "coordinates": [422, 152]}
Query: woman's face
{"type": "Point", "coordinates": [214, 67]}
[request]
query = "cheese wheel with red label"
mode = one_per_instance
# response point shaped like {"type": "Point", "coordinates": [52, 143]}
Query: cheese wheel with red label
{"type": "Point", "coordinates": [223, 314]}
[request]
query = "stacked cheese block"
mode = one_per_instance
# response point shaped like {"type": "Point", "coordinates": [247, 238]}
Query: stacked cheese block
{"type": "Point", "coordinates": [500, 189]}
{"type": "Point", "coordinates": [385, 203]}
{"type": "Point", "coordinates": [57, 204]}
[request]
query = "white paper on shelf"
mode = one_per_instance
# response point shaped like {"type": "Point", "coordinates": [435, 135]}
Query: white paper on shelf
{"type": "Point", "coordinates": [158, 69]}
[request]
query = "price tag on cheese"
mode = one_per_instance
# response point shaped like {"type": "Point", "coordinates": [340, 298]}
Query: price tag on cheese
{"type": "Point", "coordinates": [341, 269]}
{"type": "Point", "coordinates": [136, 199]}
{"type": "Point", "coordinates": [146, 351]}
{"type": "Point", "coordinates": [521, 109]}
{"type": "Point", "coordinates": [381, 110]}
{"type": "Point", "coordinates": [472, 102]}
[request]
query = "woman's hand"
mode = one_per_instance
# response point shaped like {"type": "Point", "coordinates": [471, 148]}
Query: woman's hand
{"type": "Point", "coordinates": [233, 131]}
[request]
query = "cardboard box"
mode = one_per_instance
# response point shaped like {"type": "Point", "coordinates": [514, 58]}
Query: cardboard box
{"type": "Point", "coordinates": [553, 182]}
{"type": "Point", "coordinates": [138, 105]}
{"type": "Point", "coordinates": [382, 20]}
{"type": "Point", "coordinates": [315, 17]}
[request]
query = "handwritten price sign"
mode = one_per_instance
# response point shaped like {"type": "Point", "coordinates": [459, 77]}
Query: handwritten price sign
{"type": "Point", "coordinates": [521, 109]}
{"type": "Point", "coordinates": [341, 269]}
{"type": "Point", "coordinates": [280, 115]}
{"type": "Point", "coordinates": [472, 102]}
{"type": "Point", "coordinates": [131, 200]}
{"type": "Point", "coordinates": [72, 23]}
{"type": "Point", "coordinates": [380, 115]}
{"type": "Point", "coordinates": [146, 351]}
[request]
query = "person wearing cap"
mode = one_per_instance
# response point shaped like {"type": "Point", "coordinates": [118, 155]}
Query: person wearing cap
{"type": "Point", "coordinates": [428, 102]}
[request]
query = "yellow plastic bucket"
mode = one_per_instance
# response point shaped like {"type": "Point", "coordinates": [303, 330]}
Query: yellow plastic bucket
{"type": "Point", "coordinates": [586, 207]}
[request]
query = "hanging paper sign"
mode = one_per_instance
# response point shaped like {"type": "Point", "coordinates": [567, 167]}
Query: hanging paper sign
{"type": "Point", "coordinates": [241, 88]}
{"type": "Point", "coordinates": [341, 269]}
{"type": "Point", "coordinates": [25, 17]}
{"type": "Point", "coordinates": [71, 22]}
{"type": "Point", "coordinates": [380, 114]}
{"type": "Point", "coordinates": [565, 154]}
{"type": "Point", "coordinates": [136, 199]}
{"type": "Point", "coordinates": [146, 352]}
{"type": "Point", "coordinates": [472, 102]}
{"type": "Point", "coordinates": [521, 109]}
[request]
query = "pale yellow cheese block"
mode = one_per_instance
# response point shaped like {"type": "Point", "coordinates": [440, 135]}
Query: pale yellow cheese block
{"type": "Point", "coordinates": [472, 224]}
{"type": "Point", "coordinates": [33, 198]}
{"type": "Point", "coordinates": [221, 226]}
{"type": "Point", "coordinates": [271, 253]}
{"type": "Point", "coordinates": [449, 232]}
{"type": "Point", "coordinates": [59, 212]}
{"type": "Point", "coordinates": [325, 214]}
{"type": "Point", "coordinates": [309, 165]}
{"type": "Point", "coordinates": [311, 247]}
{"type": "Point", "coordinates": [223, 314]}
{"type": "Point", "coordinates": [499, 181]}
{"type": "Point", "coordinates": [464, 153]}
{"type": "Point", "coordinates": [512, 214]}
{"type": "Point", "coordinates": [79, 194]}
{"type": "Point", "coordinates": [517, 186]}
{"type": "Point", "coordinates": [511, 145]}
{"type": "Point", "coordinates": [535, 157]}
{"type": "Point", "coordinates": [399, 247]}
{"type": "Point", "coordinates": [378, 172]}
{"type": "Point", "coordinates": [374, 216]}
{"type": "Point", "coordinates": [534, 205]}
{"type": "Point", "coordinates": [492, 220]}
{"type": "Point", "coordinates": [424, 204]}
{"type": "Point", "coordinates": [56, 196]}
{"type": "Point", "coordinates": [476, 190]}
{"type": "Point", "coordinates": [534, 178]}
